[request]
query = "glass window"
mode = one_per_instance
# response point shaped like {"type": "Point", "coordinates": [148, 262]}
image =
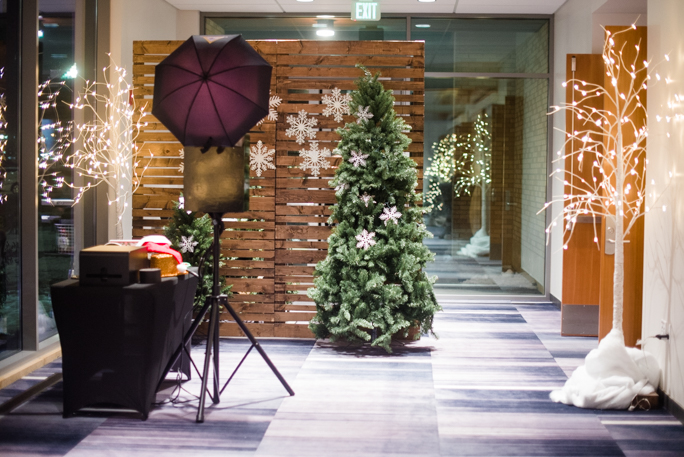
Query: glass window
{"type": "Point", "coordinates": [57, 70]}
{"type": "Point", "coordinates": [486, 149]}
{"type": "Point", "coordinates": [10, 234]}
{"type": "Point", "coordinates": [484, 45]}
{"type": "Point", "coordinates": [307, 28]}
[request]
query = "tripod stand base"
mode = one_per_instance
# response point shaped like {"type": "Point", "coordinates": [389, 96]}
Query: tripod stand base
{"type": "Point", "coordinates": [215, 302]}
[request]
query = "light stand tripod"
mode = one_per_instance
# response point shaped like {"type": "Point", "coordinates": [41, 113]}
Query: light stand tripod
{"type": "Point", "coordinates": [214, 302]}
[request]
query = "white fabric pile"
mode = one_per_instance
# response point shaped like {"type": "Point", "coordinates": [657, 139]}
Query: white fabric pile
{"type": "Point", "coordinates": [479, 245]}
{"type": "Point", "coordinates": [611, 377]}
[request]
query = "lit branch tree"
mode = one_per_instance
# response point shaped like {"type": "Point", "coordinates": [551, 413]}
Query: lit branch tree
{"type": "Point", "coordinates": [3, 137]}
{"type": "Point", "coordinates": [54, 138]}
{"type": "Point", "coordinates": [105, 146]}
{"type": "Point", "coordinates": [467, 159]}
{"type": "Point", "coordinates": [612, 141]}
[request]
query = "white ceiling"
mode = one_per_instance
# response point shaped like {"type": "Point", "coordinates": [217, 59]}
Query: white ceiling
{"type": "Point", "coordinates": [387, 6]}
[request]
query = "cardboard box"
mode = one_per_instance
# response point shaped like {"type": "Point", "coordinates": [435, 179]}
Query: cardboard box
{"type": "Point", "coordinates": [112, 265]}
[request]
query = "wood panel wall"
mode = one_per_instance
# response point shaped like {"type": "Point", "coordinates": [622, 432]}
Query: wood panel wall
{"type": "Point", "coordinates": [273, 247]}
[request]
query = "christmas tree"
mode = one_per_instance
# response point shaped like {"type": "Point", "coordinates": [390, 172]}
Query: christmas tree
{"type": "Point", "coordinates": [192, 236]}
{"type": "Point", "coordinates": [372, 284]}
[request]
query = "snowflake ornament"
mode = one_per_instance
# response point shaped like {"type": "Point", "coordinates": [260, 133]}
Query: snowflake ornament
{"type": "Point", "coordinates": [358, 159]}
{"type": "Point", "coordinates": [261, 158]}
{"type": "Point", "coordinates": [314, 158]}
{"type": "Point", "coordinates": [181, 202]}
{"type": "Point", "coordinates": [362, 114]}
{"type": "Point", "coordinates": [338, 104]}
{"type": "Point", "coordinates": [187, 244]}
{"type": "Point", "coordinates": [390, 214]}
{"type": "Point", "coordinates": [366, 198]}
{"type": "Point", "coordinates": [181, 167]}
{"type": "Point", "coordinates": [365, 239]}
{"type": "Point", "coordinates": [340, 188]}
{"type": "Point", "coordinates": [301, 127]}
{"type": "Point", "coordinates": [273, 104]}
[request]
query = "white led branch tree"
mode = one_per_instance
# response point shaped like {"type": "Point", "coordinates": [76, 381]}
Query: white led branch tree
{"type": "Point", "coordinates": [105, 147]}
{"type": "Point", "coordinates": [611, 141]}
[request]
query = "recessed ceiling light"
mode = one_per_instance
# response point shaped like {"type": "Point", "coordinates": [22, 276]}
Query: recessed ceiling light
{"type": "Point", "coordinates": [426, 1]}
{"type": "Point", "coordinates": [325, 16]}
{"type": "Point", "coordinates": [307, 1]}
{"type": "Point", "coordinates": [423, 26]}
{"type": "Point", "coordinates": [325, 32]}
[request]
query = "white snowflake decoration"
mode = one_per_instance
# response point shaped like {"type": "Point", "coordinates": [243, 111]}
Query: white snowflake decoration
{"type": "Point", "coordinates": [187, 244]}
{"type": "Point", "coordinates": [366, 198]}
{"type": "Point", "coordinates": [181, 202]}
{"type": "Point", "coordinates": [338, 104]}
{"type": "Point", "coordinates": [314, 158]}
{"type": "Point", "coordinates": [365, 239]}
{"type": "Point", "coordinates": [181, 167]}
{"type": "Point", "coordinates": [340, 188]}
{"type": "Point", "coordinates": [362, 114]}
{"type": "Point", "coordinates": [273, 104]}
{"type": "Point", "coordinates": [358, 159]}
{"type": "Point", "coordinates": [301, 127]}
{"type": "Point", "coordinates": [261, 158]}
{"type": "Point", "coordinates": [390, 214]}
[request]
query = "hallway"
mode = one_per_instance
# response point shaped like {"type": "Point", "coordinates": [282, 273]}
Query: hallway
{"type": "Point", "coordinates": [481, 389]}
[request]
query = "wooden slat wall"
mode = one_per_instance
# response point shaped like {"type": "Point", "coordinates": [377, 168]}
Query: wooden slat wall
{"type": "Point", "coordinates": [275, 245]}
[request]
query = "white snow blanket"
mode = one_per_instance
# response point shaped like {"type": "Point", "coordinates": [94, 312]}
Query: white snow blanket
{"type": "Point", "coordinates": [611, 377]}
{"type": "Point", "coordinates": [479, 245]}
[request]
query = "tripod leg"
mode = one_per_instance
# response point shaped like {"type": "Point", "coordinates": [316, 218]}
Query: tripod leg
{"type": "Point", "coordinates": [207, 361]}
{"type": "Point", "coordinates": [258, 347]}
{"type": "Point", "coordinates": [215, 317]}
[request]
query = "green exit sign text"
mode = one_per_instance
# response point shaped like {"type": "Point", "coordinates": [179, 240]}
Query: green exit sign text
{"type": "Point", "coordinates": [366, 11]}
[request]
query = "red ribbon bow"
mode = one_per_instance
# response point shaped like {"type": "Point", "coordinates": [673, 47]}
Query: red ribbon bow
{"type": "Point", "coordinates": [162, 249]}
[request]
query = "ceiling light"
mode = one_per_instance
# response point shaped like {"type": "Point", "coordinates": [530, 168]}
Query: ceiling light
{"type": "Point", "coordinates": [325, 16]}
{"type": "Point", "coordinates": [423, 26]}
{"type": "Point", "coordinates": [305, 1]}
{"type": "Point", "coordinates": [325, 32]}
{"type": "Point", "coordinates": [323, 23]}
{"type": "Point", "coordinates": [426, 1]}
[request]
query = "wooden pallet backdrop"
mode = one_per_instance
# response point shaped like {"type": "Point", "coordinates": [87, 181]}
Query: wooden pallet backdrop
{"type": "Point", "coordinates": [274, 246]}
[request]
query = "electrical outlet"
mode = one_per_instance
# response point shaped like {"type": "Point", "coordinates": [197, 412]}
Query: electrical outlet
{"type": "Point", "coordinates": [664, 327]}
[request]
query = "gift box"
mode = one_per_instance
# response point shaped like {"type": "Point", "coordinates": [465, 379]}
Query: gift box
{"type": "Point", "coordinates": [112, 265]}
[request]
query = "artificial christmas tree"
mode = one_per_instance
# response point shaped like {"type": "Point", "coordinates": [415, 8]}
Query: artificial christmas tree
{"type": "Point", "coordinates": [192, 236]}
{"type": "Point", "coordinates": [372, 284]}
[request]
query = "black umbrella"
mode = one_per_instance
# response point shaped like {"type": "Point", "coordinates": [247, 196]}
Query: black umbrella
{"type": "Point", "coordinates": [211, 90]}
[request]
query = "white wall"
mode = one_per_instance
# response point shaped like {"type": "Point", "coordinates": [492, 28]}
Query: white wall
{"type": "Point", "coordinates": [664, 236]}
{"type": "Point", "coordinates": [133, 20]}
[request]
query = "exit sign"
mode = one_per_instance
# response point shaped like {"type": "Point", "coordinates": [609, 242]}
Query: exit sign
{"type": "Point", "coordinates": [366, 11]}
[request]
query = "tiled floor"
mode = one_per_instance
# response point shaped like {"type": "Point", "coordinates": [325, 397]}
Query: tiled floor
{"type": "Point", "coordinates": [481, 389]}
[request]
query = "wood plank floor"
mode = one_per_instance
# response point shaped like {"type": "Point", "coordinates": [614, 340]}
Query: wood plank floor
{"type": "Point", "coordinates": [481, 389]}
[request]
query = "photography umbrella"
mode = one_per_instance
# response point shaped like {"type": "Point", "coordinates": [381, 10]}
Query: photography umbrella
{"type": "Point", "coordinates": [209, 93]}
{"type": "Point", "coordinates": [211, 90]}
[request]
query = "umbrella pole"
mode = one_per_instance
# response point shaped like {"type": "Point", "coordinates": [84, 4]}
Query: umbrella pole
{"type": "Point", "coordinates": [217, 300]}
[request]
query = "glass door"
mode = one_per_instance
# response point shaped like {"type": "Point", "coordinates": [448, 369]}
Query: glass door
{"type": "Point", "coordinates": [486, 143]}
